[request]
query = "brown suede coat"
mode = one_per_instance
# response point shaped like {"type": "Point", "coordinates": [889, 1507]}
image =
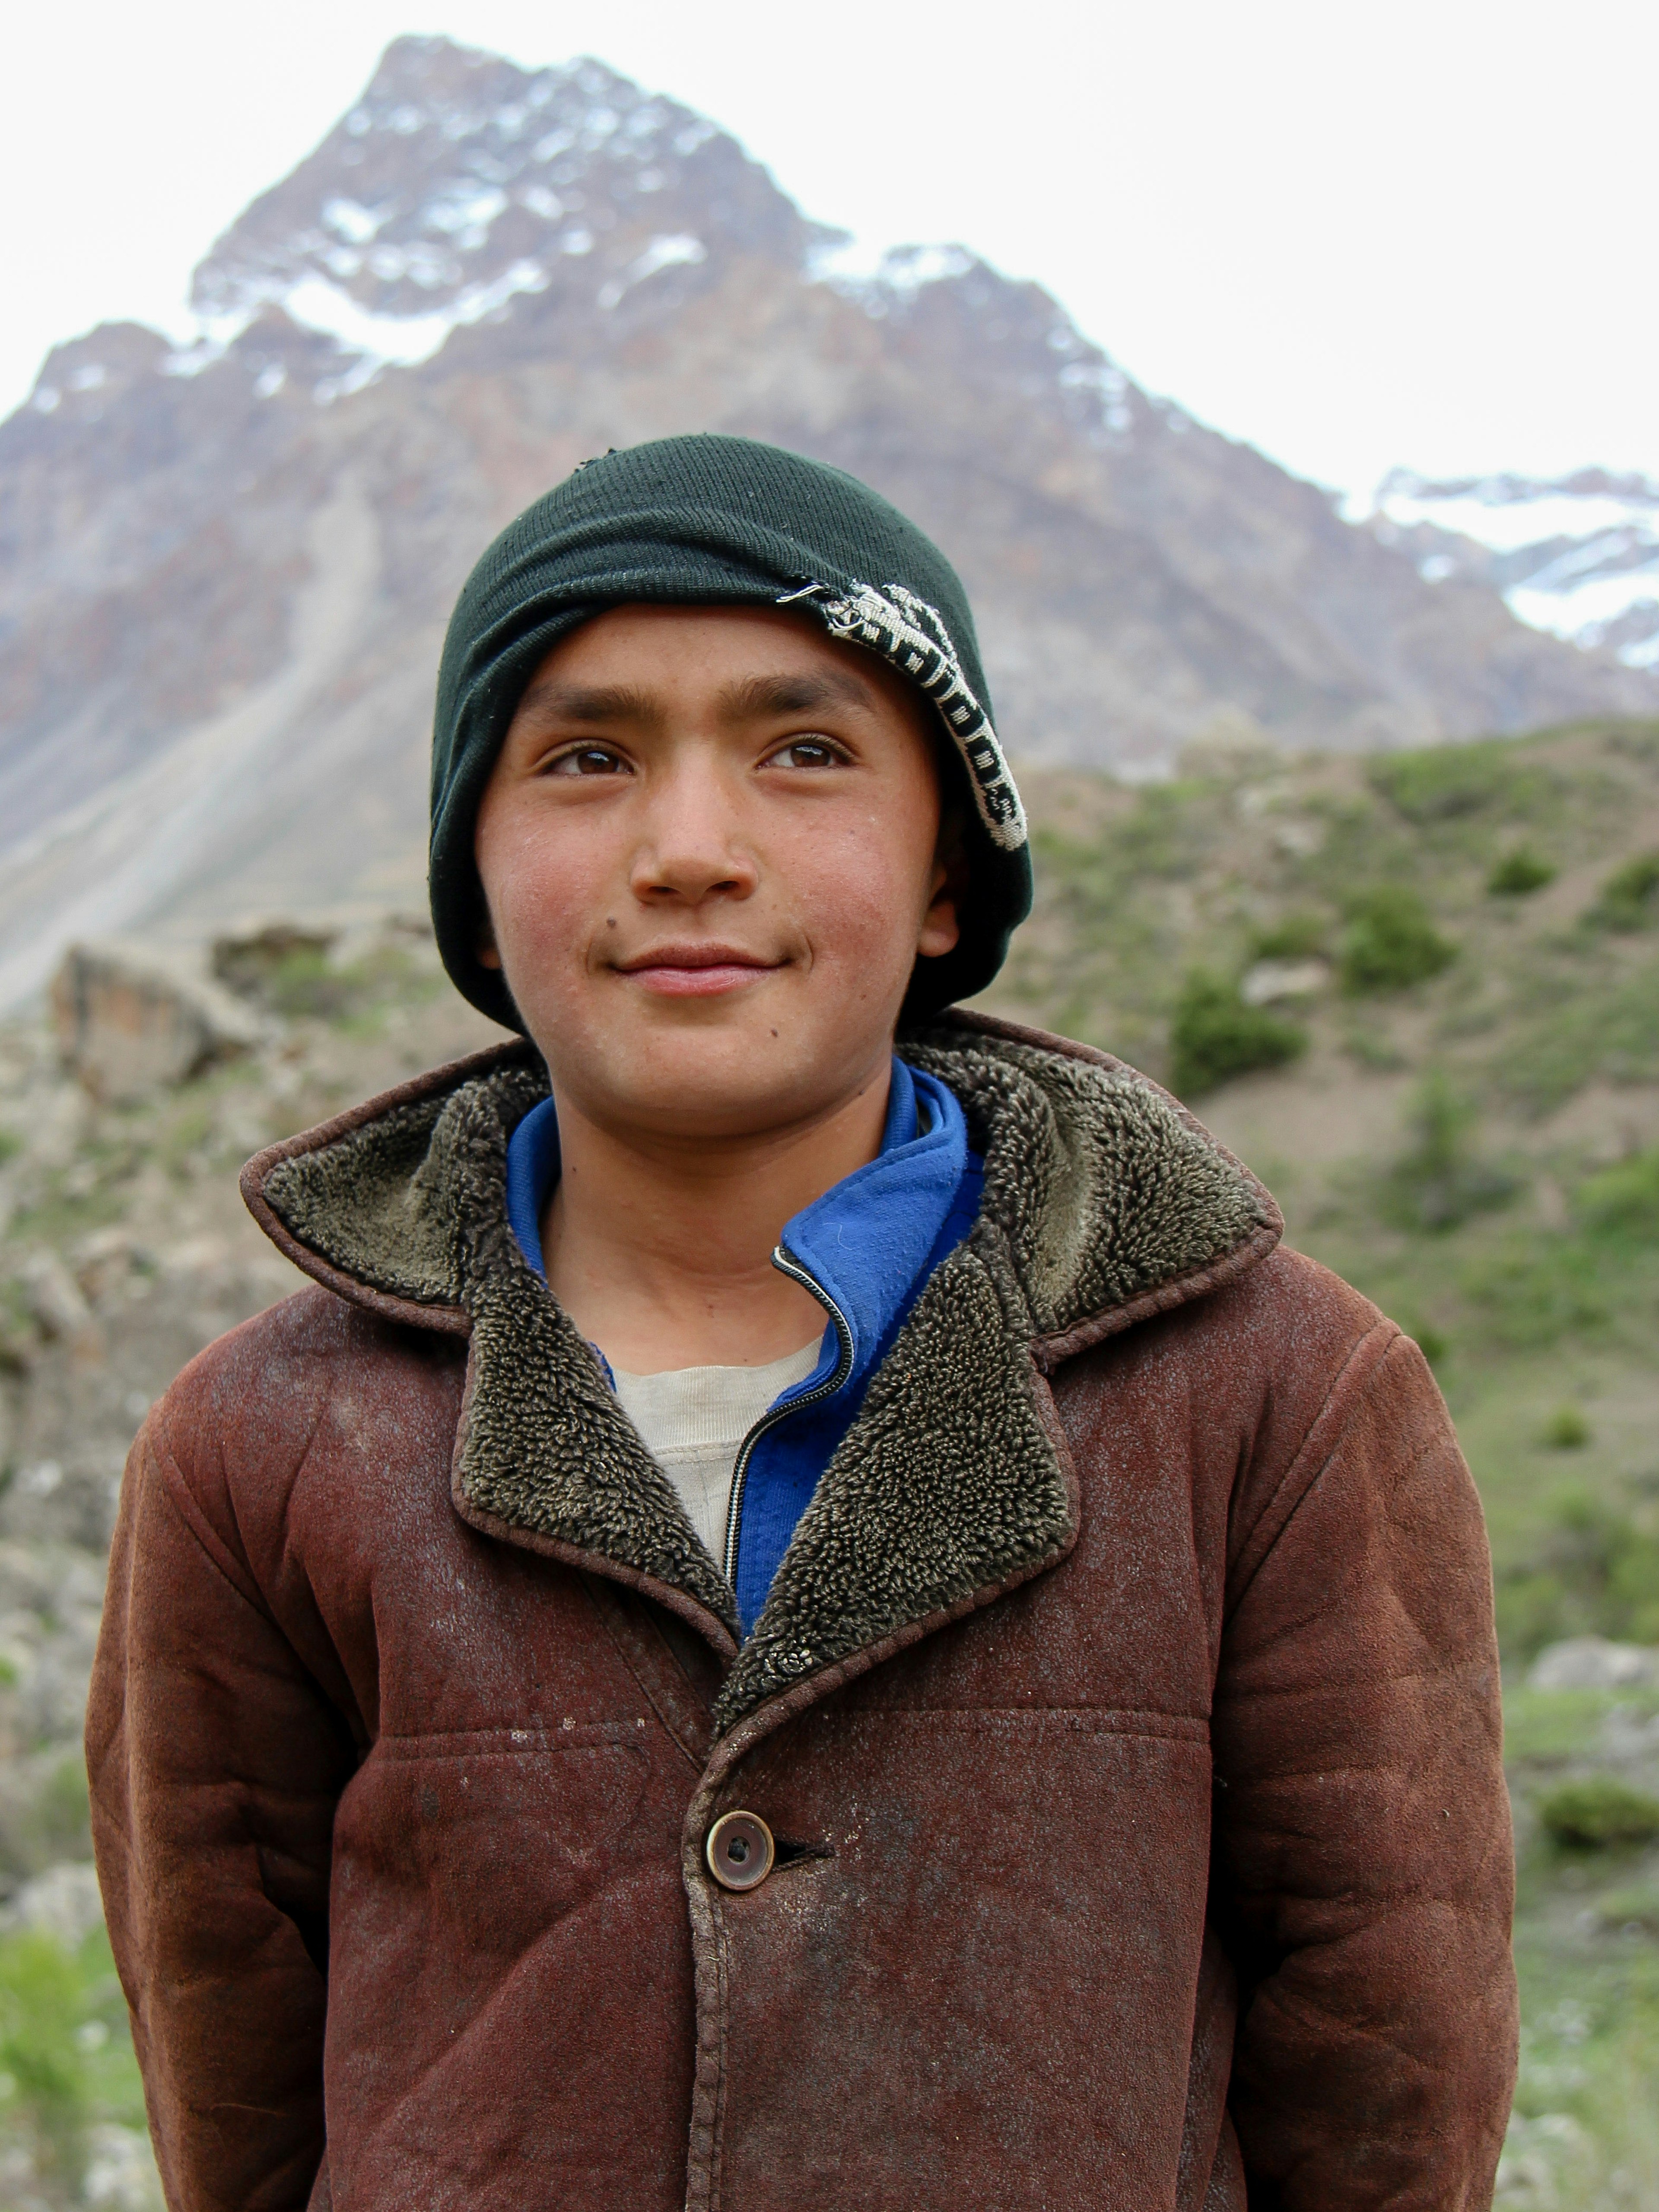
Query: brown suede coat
{"type": "Point", "coordinates": [1126, 1709]}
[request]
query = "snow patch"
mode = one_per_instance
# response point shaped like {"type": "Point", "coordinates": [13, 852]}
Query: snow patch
{"type": "Point", "coordinates": [1595, 603]}
{"type": "Point", "coordinates": [1576, 557]}
{"type": "Point", "coordinates": [1504, 526]}
{"type": "Point", "coordinates": [422, 263]}
{"type": "Point", "coordinates": [666, 253]}
{"type": "Point", "coordinates": [464, 210]}
{"type": "Point", "coordinates": [881, 278]}
{"type": "Point", "coordinates": [1105, 382]}
{"type": "Point", "coordinates": [401, 341]}
{"type": "Point", "coordinates": [351, 220]}
{"type": "Point", "coordinates": [213, 335]}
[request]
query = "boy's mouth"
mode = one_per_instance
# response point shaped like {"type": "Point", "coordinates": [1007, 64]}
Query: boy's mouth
{"type": "Point", "coordinates": [700, 970]}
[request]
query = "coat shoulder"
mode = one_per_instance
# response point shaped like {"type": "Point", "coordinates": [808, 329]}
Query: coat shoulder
{"type": "Point", "coordinates": [239, 1423]}
{"type": "Point", "coordinates": [1289, 1292]}
{"type": "Point", "coordinates": [310, 1341]}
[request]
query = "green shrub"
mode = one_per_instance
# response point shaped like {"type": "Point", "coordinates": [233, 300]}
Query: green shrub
{"type": "Point", "coordinates": [1566, 1429]}
{"type": "Point", "coordinates": [1442, 781]}
{"type": "Point", "coordinates": [1595, 1572]}
{"type": "Point", "coordinates": [1390, 941]}
{"type": "Point", "coordinates": [61, 1813]}
{"type": "Point", "coordinates": [1215, 1037]}
{"type": "Point", "coordinates": [303, 982]}
{"type": "Point", "coordinates": [1630, 897]}
{"type": "Point", "coordinates": [66, 2057]}
{"type": "Point", "coordinates": [1292, 937]}
{"type": "Point", "coordinates": [1634, 1910]}
{"type": "Point", "coordinates": [1437, 1182]}
{"type": "Point", "coordinates": [1597, 1813]}
{"type": "Point", "coordinates": [1624, 1201]}
{"type": "Point", "coordinates": [39, 2004]}
{"type": "Point", "coordinates": [1518, 872]}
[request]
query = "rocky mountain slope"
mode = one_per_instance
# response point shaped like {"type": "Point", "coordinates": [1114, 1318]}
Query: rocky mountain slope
{"type": "Point", "coordinates": [224, 570]}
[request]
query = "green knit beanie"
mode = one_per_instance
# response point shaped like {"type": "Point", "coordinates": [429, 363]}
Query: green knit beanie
{"type": "Point", "coordinates": [716, 521]}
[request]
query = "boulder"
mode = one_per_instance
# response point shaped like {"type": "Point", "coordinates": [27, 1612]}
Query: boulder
{"type": "Point", "coordinates": [64, 1902]}
{"type": "Point", "coordinates": [132, 1019]}
{"type": "Point", "coordinates": [252, 956]}
{"type": "Point", "coordinates": [1591, 1662]}
{"type": "Point", "coordinates": [1270, 980]}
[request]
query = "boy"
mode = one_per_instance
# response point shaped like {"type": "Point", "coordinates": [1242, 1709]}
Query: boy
{"type": "Point", "coordinates": [791, 1627]}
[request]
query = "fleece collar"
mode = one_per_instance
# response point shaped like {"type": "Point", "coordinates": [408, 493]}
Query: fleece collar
{"type": "Point", "coordinates": [1104, 1201]}
{"type": "Point", "coordinates": [865, 1248]}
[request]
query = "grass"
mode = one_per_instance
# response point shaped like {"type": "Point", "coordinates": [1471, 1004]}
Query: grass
{"type": "Point", "coordinates": [1439, 1181]}
{"type": "Point", "coordinates": [67, 2068]}
{"type": "Point", "coordinates": [1585, 2137]}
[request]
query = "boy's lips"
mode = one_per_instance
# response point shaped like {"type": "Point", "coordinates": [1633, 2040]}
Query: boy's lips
{"type": "Point", "coordinates": [696, 971]}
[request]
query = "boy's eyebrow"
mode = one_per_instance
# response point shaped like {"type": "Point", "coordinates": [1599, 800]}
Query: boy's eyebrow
{"type": "Point", "coordinates": [589, 702]}
{"type": "Point", "coordinates": [795, 694]}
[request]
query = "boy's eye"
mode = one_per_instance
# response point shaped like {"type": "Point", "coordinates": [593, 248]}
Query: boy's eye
{"type": "Point", "coordinates": [806, 752]}
{"type": "Point", "coordinates": [589, 760]}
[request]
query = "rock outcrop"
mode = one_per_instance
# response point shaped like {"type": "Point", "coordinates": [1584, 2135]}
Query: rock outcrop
{"type": "Point", "coordinates": [131, 1020]}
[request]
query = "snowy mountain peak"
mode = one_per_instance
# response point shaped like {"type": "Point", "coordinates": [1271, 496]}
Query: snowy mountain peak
{"type": "Point", "coordinates": [450, 164]}
{"type": "Point", "coordinates": [458, 182]}
{"type": "Point", "coordinates": [459, 188]}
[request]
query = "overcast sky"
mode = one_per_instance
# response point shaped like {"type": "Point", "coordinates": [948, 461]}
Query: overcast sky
{"type": "Point", "coordinates": [1353, 233]}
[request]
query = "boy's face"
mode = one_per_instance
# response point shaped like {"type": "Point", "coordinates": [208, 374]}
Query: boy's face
{"type": "Point", "coordinates": [709, 851]}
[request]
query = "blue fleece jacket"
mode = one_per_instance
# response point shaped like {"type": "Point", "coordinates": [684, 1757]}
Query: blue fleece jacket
{"type": "Point", "coordinates": [864, 1250]}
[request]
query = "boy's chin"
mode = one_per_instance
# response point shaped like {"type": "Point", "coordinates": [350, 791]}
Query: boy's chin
{"type": "Point", "coordinates": [725, 1080]}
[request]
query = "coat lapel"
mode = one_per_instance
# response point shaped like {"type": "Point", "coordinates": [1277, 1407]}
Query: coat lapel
{"type": "Point", "coordinates": [1104, 1200]}
{"type": "Point", "coordinates": [948, 1488]}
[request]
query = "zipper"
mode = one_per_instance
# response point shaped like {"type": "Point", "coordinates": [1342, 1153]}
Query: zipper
{"type": "Point", "coordinates": [785, 1264]}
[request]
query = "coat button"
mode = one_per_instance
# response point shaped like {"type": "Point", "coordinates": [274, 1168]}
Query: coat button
{"type": "Point", "coordinates": [739, 1850]}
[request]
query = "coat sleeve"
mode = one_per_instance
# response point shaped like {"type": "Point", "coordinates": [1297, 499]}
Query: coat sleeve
{"type": "Point", "coordinates": [1363, 1863]}
{"type": "Point", "coordinates": [215, 1764]}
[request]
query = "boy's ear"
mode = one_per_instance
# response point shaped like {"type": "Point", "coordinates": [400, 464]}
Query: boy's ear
{"type": "Point", "coordinates": [489, 955]}
{"type": "Point", "coordinates": [941, 926]}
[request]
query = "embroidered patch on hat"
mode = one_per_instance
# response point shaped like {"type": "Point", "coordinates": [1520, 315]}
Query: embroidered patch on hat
{"type": "Point", "coordinates": [905, 631]}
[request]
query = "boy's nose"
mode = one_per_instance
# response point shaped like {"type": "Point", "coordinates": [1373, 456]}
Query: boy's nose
{"type": "Point", "coordinates": [693, 847]}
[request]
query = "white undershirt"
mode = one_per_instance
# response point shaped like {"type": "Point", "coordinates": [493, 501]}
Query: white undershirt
{"type": "Point", "coordinates": [694, 1420]}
